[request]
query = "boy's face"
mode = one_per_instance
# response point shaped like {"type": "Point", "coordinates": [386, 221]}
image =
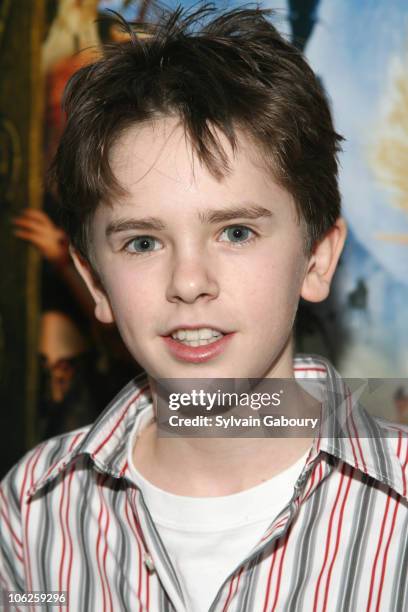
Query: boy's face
{"type": "Point", "coordinates": [182, 250]}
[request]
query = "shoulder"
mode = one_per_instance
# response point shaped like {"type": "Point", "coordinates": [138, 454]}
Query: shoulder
{"type": "Point", "coordinates": [391, 428]}
{"type": "Point", "coordinates": [14, 501]}
{"type": "Point", "coordinates": [396, 436]}
{"type": "Point", "coordinates": [386, 451]}
{"type": "Point", "coordinates": [103, 441]}
{"type": "Point", "coordinates": [37, 463]}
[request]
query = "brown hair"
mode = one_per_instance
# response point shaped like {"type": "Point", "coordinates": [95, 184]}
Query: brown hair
{"type": "Point", "coordinates": [225, 71]}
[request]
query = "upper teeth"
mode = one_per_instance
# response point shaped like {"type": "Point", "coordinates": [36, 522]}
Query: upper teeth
{"type": "Point", "coordinates": [204, 333]}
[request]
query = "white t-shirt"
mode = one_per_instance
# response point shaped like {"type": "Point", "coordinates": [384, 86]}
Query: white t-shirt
{"type": "Point", "coordinates": [208, 537]}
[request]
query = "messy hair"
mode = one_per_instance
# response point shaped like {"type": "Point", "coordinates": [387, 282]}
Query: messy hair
{"type": "Point", "coordinates": [215, 71]}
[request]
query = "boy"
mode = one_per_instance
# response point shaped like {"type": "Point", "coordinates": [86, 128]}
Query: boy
{"type": "Point", "coordinates": [199, 180]}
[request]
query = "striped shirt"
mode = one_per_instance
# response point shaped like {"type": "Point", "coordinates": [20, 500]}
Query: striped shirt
{"type": "Point", "coordinates": [73, 520]}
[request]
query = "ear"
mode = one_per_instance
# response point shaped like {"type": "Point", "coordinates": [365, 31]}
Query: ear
{"type": "Point", "coordinates": [323, 262]}
{"type": "Point", "coordinates": [103, 310]}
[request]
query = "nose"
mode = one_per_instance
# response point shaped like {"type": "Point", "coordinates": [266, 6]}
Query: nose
{"type": "Point", "coordinates": [192, 278]}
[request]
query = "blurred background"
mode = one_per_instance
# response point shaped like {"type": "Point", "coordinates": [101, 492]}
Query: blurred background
{"type": "Point", "coordinates": [58, 367]}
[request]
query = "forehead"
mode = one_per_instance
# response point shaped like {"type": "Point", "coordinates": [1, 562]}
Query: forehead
{"type": "Point", "coordinates": [156, 165]}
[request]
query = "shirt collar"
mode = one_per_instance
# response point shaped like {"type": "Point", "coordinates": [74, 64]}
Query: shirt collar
{"type": "Point", "coordinates": [105, 442]}
{"type": "Point", "coordinates": [349, 433]}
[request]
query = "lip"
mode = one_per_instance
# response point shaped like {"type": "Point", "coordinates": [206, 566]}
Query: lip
{"type": "Point", "coordinates": [196, 326]}
{"type": "Point", "coordinates": [196, 354]}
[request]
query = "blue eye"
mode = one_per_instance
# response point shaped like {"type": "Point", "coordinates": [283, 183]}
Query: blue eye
{"type": "Point", "coordinates": [237, 233]}
{"type": "Point", "coordinates": [142, 244]}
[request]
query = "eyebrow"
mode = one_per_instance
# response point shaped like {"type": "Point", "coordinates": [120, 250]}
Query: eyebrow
{"type": "Point", "coordinates": [228, 214]}
{"type": "Point", "coordinates": [206, 217]}
{"type": "Point", "coordinates": [124, 225]}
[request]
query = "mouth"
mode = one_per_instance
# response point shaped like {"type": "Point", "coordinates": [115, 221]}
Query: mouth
{"type": "Point", "coordinates": [197, 345]}
{"type": "Point", "coordinates": [197, 337]}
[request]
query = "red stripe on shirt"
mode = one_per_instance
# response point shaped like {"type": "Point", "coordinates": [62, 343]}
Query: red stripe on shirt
{"type": "Point", "coordinates": [268, 584]}
{"type": "Point", "coordinates": [404, 473]}
{"type": "Point", "coordinates": [147, 590]}
{"type": "Point", "coordinates": [227, 603]}
{"type": "Point", "coordinates": [71, 473]}
{"type": "Point", "coordinates": [139, 534]}
{"type": "Point", "coordinates": [100, 480]}
{"type": "Point", "coordinates": [339, 527]}
{"type": "Point", "coordinates": [328, 538]}
{"type": "Point", "coordinates": [106, 552]}
{"type": "Point", "coordinates": [132, 527]}
{"type": "Point", "coordinates": [278, 583]}
{"type": "Point", "coordinates": [380, 541]}
{"type": "Point", "coordinates": [310, 484]}
{"type": "Point", "coordinates": [23, 486]}
{"type": "Point", "coordinates": [64, 525]}
{"type": "Point", "coordinates": [67, 515]}
{"type": "Point", "coordinates": [119, 421]}
{"type": "Point", "coordinates": [81, 434]}
{"type": "Point", "coordinates": [123, 470]}
{"type": "Point", "coordinates": [275, 527]}
{"type": "Point", "coordinates": [34, 461]}
{"type": "Point", "coordinates": [350, 435]}
{"type": "Point", "coordinates": [357, 436]}
{"type": "Point", "coordinates": [385, 556]}
{"type": "Point", "coordinates": [16, 552]}
{"type": "Point", "coordinates": [229, 594]}
{"type": "Point", "coordinates": [7, 520]}
{"type": "Point", "coordinates": [404, 466]}
{"type": "Point", "coordinates": [61, 520]}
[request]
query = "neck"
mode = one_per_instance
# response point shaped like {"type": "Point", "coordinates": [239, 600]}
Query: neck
{"type": "Point", "coordinates": [206, 467]}
{"type": "Point", "coordinates": [215, 467]}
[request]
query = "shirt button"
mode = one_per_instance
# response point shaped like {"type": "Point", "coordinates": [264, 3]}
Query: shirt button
{"type": "Point", "coordinates": [148, 561]}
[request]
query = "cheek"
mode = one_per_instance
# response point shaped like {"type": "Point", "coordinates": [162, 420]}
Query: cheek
{"type": "Point", "coordinates": [270, 284]}
{"type": "Point", "coordinates": [133, 296]}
